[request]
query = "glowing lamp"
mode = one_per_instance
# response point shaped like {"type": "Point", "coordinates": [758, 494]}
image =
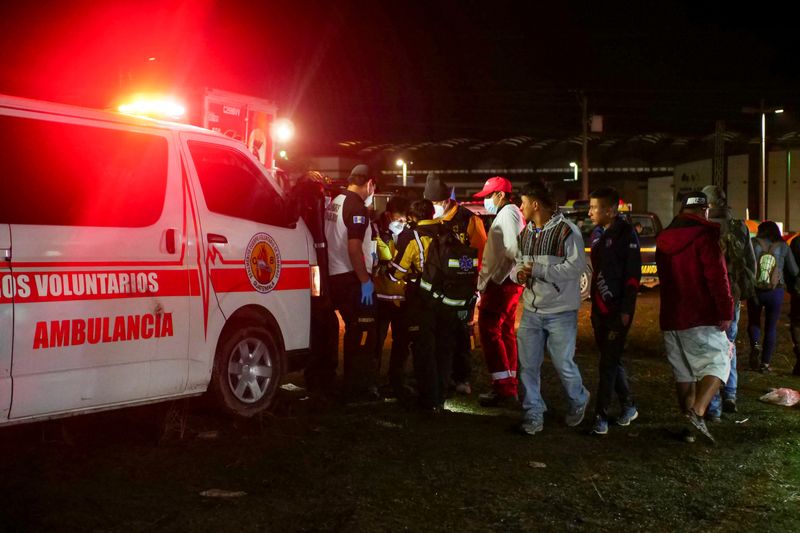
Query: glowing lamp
{"type": "Point", "coordinates": [282, 130]}
{"type": "Point", "coordinates": [155, 108]}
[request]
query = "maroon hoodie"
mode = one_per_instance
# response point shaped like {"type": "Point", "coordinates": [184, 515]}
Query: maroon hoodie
{"type": "Point", "coordinates": [692, 273]}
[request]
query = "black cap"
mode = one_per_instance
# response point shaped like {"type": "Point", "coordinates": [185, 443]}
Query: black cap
{"type": "Point", "coordinates": [359, 171]}
{"type": "Point", "coordinates": [435, 189]}
{"type": "Point", "coordinates": [693, 200]}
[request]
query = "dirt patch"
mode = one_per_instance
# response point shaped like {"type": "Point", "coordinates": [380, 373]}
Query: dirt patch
{"type": "Point", "coordinates": [378, 467]}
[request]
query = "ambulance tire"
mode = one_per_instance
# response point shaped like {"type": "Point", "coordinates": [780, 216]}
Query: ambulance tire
{"type": "Point", "coordinates": [248, 369]}
{"type": "Point", "coordinates": [585, 282]}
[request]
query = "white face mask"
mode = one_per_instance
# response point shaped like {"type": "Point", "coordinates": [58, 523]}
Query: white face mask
{"type": "Point", "coordinates": [488, 204]}
{"type": "Point", "coordinates": [438, 210]}
{"type": "Point", "coordinates": [396, 227]}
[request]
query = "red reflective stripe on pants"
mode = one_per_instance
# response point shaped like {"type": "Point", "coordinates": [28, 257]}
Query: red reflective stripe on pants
{"type": "Point", "coordinates": [496, 321]}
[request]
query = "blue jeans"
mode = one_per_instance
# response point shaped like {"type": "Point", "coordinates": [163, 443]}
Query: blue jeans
{"type": "Point", "coordinates": [771, 301]}
{"type": "Point", "coordinates": [558, 333]}
{"type": "Point", "coordinates": [728, 390]}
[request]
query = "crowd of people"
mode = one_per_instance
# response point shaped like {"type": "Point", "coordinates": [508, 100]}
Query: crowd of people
{"type": "Point", "coordinates": [420, 267]}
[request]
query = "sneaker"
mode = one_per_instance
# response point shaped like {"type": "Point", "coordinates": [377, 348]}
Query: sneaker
{"type": "Point", "coordinates": [492, 399]}
{"type": "Point", "coordinates": [755, 357]}
{"type": "Point", "coordinates": [729, 406]}
{"type": "Point", "coordinates": [464, 388]}
{"type": "Point", "coordinates": [699, 425]}
{"type": "Point", "coordinates": [373, 394]}
{"type": "Point", "coordinates": [714, 418]}
{"type": "Point", "coordinates": [600, 426]}
{"type": "Point", "coordinates": [687, 436]}
{"type": "Point", "coordinates": [574, 418]}
{"type": "Point", "coordinates": [532, 427]}
{"type": "Point", "coordinates": [629, 414]}
{"type": "Point", "coordinates": [765, 368]}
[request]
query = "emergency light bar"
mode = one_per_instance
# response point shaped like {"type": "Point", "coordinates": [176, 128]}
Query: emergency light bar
{"type": "Point", "coordinates": [154, 108]}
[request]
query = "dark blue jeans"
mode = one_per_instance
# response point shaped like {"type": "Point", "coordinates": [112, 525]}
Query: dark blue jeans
{"type": "Point", "coordinates": [728, 389]}
{"type": "Point", "coordinates": [771, 302]}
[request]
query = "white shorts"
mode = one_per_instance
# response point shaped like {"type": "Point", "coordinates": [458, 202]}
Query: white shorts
{"type": "Point", "coordinates": [697, 352]}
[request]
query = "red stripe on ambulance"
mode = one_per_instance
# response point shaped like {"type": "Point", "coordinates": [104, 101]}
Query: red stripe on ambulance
{"type": "Point", "coordinates": [230, 280]}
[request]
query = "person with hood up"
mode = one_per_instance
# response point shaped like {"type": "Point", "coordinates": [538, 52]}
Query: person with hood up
{"type": "Point", "coordinates": [470, 230]}
{"type": "Point", "coordinates": [550, 261]}
{"type": "Point", "coordinates": [696, 308]}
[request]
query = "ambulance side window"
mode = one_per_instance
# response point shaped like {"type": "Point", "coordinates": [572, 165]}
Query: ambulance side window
{"type": "Point", "coordinates": [58, 174]}
{"type": "Point", "coordinates": [234, 186]}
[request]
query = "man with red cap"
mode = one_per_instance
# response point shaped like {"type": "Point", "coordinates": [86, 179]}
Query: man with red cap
{"type": "Point", "coordinates": [499, 293]}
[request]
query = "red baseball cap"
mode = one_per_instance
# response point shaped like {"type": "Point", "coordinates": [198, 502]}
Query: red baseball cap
{"type": "Point", "coordinates": [495, 184]}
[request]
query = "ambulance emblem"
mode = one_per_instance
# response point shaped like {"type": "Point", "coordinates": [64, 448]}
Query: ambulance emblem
{"type": "Point", "coordinates": [263, 262]}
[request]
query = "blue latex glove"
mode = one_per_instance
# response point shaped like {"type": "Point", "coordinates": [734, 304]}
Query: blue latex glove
{"type": "Point", "coordinates": [367, 288]}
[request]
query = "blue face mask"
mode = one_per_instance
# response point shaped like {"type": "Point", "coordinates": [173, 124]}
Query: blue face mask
{"type": "Point", "coordinates": [488, 204]}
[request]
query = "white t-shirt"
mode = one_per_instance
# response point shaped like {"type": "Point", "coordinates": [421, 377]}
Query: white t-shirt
{"type": "Point", "coordinates": [501, 246]}
{"type": "Point", "coordinates": [346, 217]}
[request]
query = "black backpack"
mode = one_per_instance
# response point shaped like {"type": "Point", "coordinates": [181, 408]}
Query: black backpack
{"type": "Point", "coordinates": [450, 272]}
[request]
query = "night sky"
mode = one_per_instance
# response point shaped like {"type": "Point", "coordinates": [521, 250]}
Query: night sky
{"type": "Point", "coordinates": [411, 71]}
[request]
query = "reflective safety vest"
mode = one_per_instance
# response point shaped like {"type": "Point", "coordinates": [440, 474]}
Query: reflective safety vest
{"type": "Point", "coordinates": [450, 274]}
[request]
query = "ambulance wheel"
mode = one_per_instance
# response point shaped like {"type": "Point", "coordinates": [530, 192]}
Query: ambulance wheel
{"type": "Point", "coordinates": [247, 371]}
{"type": "Point", "coordinates": [585, 283]}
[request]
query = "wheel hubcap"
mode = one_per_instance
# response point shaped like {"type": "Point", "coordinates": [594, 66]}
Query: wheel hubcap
{"type": "Point", "coordinates": [250, 370]}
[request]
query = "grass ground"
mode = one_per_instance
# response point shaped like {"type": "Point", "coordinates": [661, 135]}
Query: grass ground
{"type": "Point", "coordinates": [380, 468]}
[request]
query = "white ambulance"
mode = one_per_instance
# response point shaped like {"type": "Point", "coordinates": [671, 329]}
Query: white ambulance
{"type": "Point", "coordinates": [141, 261]}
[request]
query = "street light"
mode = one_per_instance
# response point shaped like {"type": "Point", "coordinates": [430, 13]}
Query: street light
{"type": "Point", "coordinates": [762, 181]}
{"type": "Point", "coordinates": [401, 163]}
{"type": "Point", "coordinates": [574, 166]}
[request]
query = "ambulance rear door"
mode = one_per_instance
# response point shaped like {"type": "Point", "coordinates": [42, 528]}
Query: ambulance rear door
{"type": "Point", "coordinates": [6, 320]}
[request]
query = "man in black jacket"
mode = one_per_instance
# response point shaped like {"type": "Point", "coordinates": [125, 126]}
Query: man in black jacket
{"type": "Point", "coordinates": [617, 270]}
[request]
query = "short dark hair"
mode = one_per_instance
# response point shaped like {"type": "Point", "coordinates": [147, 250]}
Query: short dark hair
{"type": "Point", "coordinates": [397, 205]}
{"type": "Point", "coordinates": [421, 210]}
{"type": "Point", "coordinates": [770, 231]}
{"type": "Point", "coordinates": [608, 195]}
{"type": "Point", "coordinates": [539, 192]}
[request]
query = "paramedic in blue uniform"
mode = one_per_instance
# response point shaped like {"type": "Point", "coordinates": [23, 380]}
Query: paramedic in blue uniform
{"type": "Point", "coordinates": [350, 260]}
